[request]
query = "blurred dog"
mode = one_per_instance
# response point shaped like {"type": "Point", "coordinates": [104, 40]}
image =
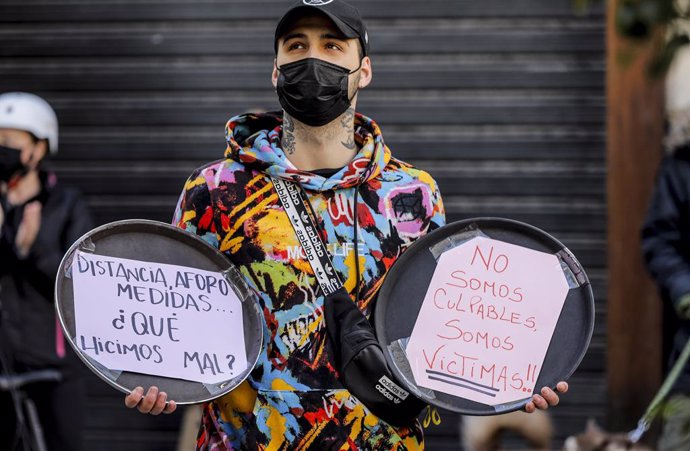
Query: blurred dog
{"type": "Point", "coordinates": [596, 439]}
{"type": "Point", "coordinates": [484, 433]}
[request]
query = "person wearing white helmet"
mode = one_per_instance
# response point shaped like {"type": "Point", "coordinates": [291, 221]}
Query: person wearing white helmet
{"type": "Point", "coordinates": [666, 246]}
{"type": "Point", "coordinates": [39, 220]}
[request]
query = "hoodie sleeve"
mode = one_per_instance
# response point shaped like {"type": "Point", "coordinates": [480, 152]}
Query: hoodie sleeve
{"type": "Point", "coordinates": [666, 231]}
{"type": "Point", "coordinates": [194, 212]}
{"type": "Point", "coordinates": [438, 217]}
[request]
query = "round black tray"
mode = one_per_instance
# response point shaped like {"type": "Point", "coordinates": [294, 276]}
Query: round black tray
{"type": "Point", "coordinates": [405, 287]}
{"type": "Point", "coordinates": [158, 242]}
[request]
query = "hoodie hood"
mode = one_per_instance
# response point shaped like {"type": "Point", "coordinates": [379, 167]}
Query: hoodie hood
{"type": "Point", "coordinates": [254, 140]}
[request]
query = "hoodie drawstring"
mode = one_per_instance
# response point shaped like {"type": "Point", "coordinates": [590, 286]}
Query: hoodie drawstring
{"type": "Point", "coordinates": [356, 244]}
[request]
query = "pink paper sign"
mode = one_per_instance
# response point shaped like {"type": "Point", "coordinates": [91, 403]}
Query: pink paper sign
{"type": "Point", "coordinates": [158, 319]}
{"type": "Point", "coordinates": [486, 321]}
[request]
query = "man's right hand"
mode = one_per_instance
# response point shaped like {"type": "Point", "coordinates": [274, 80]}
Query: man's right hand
{"type": "Point", "coordinates": [28, 228]}
{"type": "Point", "coordinates": [153, 403]}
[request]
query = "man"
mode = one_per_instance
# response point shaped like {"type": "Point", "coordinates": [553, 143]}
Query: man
{"type": "Point", "coordinates": [39, 220]}
{"type": "Point", "coordinates": [370, 207]}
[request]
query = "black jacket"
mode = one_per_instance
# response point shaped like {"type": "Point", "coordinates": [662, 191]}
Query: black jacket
{"type": "Point", "coordinates": [666, 246]}
{"type": "Point", "coordinates": [28, 328]}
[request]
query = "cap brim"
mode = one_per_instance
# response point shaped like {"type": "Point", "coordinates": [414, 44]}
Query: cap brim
{"type": "Point", "coordinates": [294, 14]}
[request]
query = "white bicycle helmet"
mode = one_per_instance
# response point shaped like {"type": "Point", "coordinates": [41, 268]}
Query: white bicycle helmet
{"type": "Point", "coordinates": [28, 112]}
{"type": "Point", "coordinates": [678, 101]}
{"type": "Point", "coordinates": [678, 82]}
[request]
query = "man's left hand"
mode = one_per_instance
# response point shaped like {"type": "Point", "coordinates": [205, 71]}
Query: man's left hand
{"type": "Point", "coordinates": [548, 398]}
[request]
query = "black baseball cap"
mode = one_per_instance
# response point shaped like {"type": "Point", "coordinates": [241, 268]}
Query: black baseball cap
{"type": "Point", "coordinates": [345, 17]}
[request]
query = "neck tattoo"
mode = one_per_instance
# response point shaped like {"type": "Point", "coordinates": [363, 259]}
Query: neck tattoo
{"type": "Point", "coordinates": [288, 141]}
{"type": "Point", "coordinates": [348, 124]}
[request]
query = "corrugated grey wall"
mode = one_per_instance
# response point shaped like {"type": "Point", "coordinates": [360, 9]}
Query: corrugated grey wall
{"type": "Point", "coordinates": [503, 101]}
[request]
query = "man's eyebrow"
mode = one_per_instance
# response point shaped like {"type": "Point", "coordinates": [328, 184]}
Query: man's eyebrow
{"type": "Point", "coordinates": [338, 37]}
{"type": "Point", "coordinates": [289, 36]}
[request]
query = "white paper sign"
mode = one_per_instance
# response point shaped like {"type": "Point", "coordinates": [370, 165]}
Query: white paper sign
{"type": "Point", "coordinates": [158, 319]}
{"type": "Point", "coordinates": [487, 320]}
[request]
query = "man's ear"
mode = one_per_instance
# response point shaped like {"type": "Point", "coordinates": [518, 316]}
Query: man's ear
{"type": "Point", "coordinates": [366, 73]}
{"type": "Point", "coordinates": [274, 75]}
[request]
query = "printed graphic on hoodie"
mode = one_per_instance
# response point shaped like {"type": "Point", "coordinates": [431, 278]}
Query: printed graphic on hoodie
{"type": "Point", "coordinates": [293, 399]}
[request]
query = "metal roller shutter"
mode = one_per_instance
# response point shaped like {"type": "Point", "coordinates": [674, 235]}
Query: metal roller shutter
{"type": "Point", "coordinates": [503, 102]}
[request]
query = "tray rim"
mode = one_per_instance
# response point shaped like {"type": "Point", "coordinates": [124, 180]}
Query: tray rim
{"type": "Point", "coordinates": [458, 226]}
{"type": "Point", "coordinates": [214, 255]}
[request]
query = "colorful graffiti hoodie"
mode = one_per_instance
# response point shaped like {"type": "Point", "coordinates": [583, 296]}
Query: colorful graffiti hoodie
{"type": "Point", "coordinates": [293, 399]}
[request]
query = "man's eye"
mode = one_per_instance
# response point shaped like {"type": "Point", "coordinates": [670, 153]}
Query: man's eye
{"type": "Point", "coordinates": [332, 46]}
{"type": "Point", "coordinates": [296, 45]}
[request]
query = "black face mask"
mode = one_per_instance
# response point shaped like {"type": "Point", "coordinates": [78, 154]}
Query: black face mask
{"type": "Point", "coordinates": [10, 163]}
{"type": "Point", "coordinates": [313, 91]}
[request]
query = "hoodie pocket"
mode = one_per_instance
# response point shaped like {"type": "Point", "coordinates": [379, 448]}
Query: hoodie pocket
{"type": "Point", "coordinates": [310, 420]}
{"type": "Point", "coordinates": [317, 419]}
